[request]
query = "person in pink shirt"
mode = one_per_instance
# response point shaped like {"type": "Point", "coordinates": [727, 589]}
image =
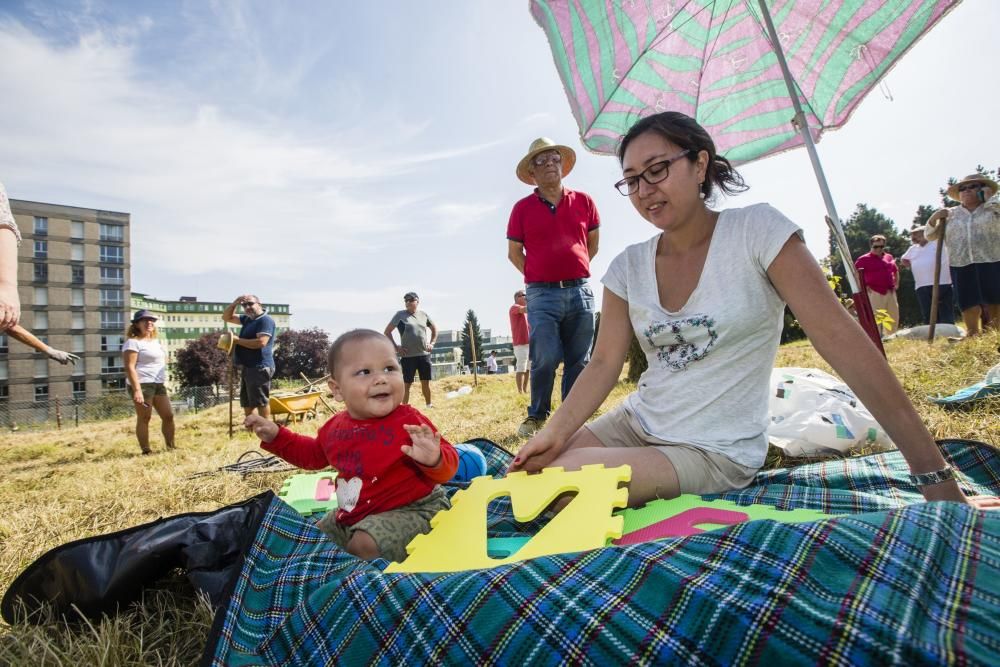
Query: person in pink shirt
{"type": "Point", "coordinates": [519, 332]}
{"type": "Point", "coordinates": [882, 280]}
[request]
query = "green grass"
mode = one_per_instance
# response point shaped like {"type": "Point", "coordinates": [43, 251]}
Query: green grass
{"type": "Point", "coordinates": [60, 486]}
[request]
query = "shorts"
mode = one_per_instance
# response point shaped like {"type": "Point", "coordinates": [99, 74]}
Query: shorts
{"type": "Point", "coordinates": [413, 364]}
{"type": "Point", "coordinates": [699, 471]}
{"type": "Point", "coordinates": [520, 358]}
{"type": "Point", "coordinates": [151, 389]}
{"type": "Point", "coordinates": [391, 530]}
{"type": "Point", "coordinates": [976, 284]}
{"type": "Point", "coordinates": [255, 386]}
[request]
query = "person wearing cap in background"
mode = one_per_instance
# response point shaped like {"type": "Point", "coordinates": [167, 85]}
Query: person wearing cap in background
{"type": "Point", "coordinates": [415, 345]}
{"type": "Point", "coordinates": [972, 238]}
{"type": "Point", "coordinates": [920, 259]}
{"type": "Point", "coordinates": [882, 280]}
{"type": "Point", "coordinates": [146, 374]}
{"type": "Point", "coordinates": [552, 235]}
{"type": "Point", "coordinates": [254, 352]}
{"type": "Point", "coordinates": [519, 333]}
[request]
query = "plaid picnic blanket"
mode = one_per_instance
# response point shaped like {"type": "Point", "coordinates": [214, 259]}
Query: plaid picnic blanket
{"type": "Point", "coordinates": [889, 582]}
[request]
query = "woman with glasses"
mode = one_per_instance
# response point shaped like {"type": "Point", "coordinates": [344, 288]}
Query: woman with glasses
{"type": "Point", "coordinates": [972, 237]}
{"type": "Point", "coordinates": [881, 280]}
{"type": "Point", "coordinates": [705, 297]}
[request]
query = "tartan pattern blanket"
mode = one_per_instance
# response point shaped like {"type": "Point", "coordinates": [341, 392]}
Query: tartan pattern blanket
{"type": "Point", "coordinates": [892, 581]}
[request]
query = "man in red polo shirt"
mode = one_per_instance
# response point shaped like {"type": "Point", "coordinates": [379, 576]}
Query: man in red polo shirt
{"type": "Point", "coordinates": [551, 237]}
{"type": "Point", "coordinates": [882, 280]}
{"type": "Point", "coordinates": [519, 334]}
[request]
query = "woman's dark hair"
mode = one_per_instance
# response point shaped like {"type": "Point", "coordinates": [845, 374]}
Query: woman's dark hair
{"type": "Point", "coordinates": [685, 132]}
{"type": "Point", "coordinates": [333, 355]}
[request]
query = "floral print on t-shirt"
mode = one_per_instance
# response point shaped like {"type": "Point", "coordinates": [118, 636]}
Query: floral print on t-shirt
{"type": "Point", "coordinates": [680, 342]}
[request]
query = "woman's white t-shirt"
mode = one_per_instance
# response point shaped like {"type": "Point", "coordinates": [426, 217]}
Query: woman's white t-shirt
{"type": "Point", "coordinates": [151, 364]}
{"type": "Point", "coordinates": [710, 362]}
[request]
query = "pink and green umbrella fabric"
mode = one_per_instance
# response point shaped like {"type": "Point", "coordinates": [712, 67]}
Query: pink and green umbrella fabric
{"type": "Point", "coordinates": [712, 60]}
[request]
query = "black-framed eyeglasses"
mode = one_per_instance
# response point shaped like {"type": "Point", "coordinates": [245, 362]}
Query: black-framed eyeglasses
{"type": "Point", "coordinates": [970, 186]}
{"type": "Point", "coordinates": [653, 174]}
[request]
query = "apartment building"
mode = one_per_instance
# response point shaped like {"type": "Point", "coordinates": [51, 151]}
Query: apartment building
{"type": "Point", "coordinates": [188, 318]}
{"type": "Point", "coordinates": [73, 282]}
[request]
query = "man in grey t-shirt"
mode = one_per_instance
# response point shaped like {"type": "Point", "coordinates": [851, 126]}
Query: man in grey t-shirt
{"type": "Point", "coordinates": [415, 344]}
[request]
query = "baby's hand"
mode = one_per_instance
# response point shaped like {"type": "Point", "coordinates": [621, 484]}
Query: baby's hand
{"type": "Point", "coordinates": [265, 429]}
{"type": "Point", "coordinates": [426, 447]}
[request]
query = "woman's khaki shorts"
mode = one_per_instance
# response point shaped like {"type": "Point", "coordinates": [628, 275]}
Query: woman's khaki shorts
{"type": "Point", "coordinates": [699, 471]}
{"type": "Point", "coordinates": [391, 530]}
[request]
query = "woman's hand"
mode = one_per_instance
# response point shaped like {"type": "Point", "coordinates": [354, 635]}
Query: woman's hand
{"type": "Point", "coordinates": [62, 357]}
{"type": "Point", "coordinates": [137, 397]}
{"type": "Point", "coordinates": [940, 214]}
{"type": "Point", "coordinates": [10, 306]}
{"type": "Point", "coordinates": [426, 447]}
{"type": "Point", "coordinates": [265, 429]}
{"type": "Point", "coordinates": [543, 448]}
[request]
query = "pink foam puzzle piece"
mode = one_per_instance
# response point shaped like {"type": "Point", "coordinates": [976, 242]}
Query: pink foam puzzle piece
{"type": "Point", "coordinates": [325, 489]}
{"type": "Point", "coordinates": [683, 525]}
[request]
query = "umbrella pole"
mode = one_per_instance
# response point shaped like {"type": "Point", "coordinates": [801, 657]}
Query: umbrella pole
{"type": "Point", "coordinates": [833, 220]}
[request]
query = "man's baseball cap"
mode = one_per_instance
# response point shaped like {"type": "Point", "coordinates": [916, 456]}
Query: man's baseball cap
{"type": "Point", "coordinates": [411, 296]}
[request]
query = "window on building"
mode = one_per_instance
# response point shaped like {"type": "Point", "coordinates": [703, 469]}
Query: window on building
{"type": "Point", "coordinates": [3, 344]}
{"type": "Point", "coordinates": [3, 369]}
{"type": "Point", "coordinates": [41, 296]}
{"type": "Point", "coordinates": [41, 249]}
{"type": "Point", "coordinates": [4, 392]}
{"type": "Point", "coordinates": [112, 232]}
{"type": "Point", "coordinates": [77, 275]}
{"type": "Point", "coordinates": [112, 320]}
{"type": "Point", "coordinates": [41, 368]}
{"type": "Point", "coordinates": [41, 320]}
{"type": "Point", "coordinates": [76, 297]}
{"type": "Point", "coordinates": [112, 343]}
{"type": "Point", "coordinates": [112, 297]}
{"type": "Point", "coordinates": [79, 388]}
{"type": "Point", "coordinates": [41, 272]}
{"type": "Point", "coordinates": [112, 364]}
{"type": "Point", "coordinates": [41, 226]}
{"type": "Point", "coordinates": [112, 384]}
{"type": "Point", "coordinates": [112, 275]}
{"type": "Point", "coordinates": [76, 252]}
{"type": "Point", "coordinates": [113, 254]}
{"type": "Point", "coordinates": [41, 392]}
{"type": "Point", "coordinates": [79, 343]}
{"type": "Point", "coordinates": [76, 229]}
{"type": "Point", "coordinates": [78, 322]}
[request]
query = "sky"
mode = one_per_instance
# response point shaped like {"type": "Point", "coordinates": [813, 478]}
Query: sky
{"type": "Point", "coordinates": [336, 155]}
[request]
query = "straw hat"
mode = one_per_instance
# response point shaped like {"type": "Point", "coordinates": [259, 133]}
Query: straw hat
{"type": "Point", "coordinates": [225, 342]}
{"type": "Point", "coordinates": [541, 145]}
{"type": "Point", "coordinates": [973, 178]}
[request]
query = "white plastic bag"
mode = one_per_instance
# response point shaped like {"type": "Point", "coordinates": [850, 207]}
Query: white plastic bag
{"type": "Point", "coordinates": [814, 414]}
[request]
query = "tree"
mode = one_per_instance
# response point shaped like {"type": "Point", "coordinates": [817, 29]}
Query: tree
{"type": "Point", "coordinates": [201, 364]}
{"type": "Point", "coordinates": [303, 351]}
{"type": "Point", "coordinates": [477, 337]}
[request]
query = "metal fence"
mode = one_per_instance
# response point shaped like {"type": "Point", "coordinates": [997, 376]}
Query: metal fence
{"type": "Point", "coordinates": [57, 412]}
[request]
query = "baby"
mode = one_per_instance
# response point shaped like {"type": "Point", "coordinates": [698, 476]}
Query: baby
{"type": "Point", "coordinates": [389, 458]}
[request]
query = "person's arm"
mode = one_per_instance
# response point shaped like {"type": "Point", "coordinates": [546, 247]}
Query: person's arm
{"type": "Point", "coordinates": [131, 357]}
{"type": "Point", "coordinates": [589, 391]}
{"type": "Point", "coordinates": [842, 343]}
{"type": "Point", "coordinates": [515, 253]}
{"type": "Point", "coordinates": [252, 343]}
{"type": "Point", "coordinates": [593, 238]}
{"type": "Point", "coordinates": [229, 314]}
{"type": "Point", "coordinates": [10, 302]}
{"type": "Point", "coordinates": [434, 335]}
{"type": "Point", "coordinates": [895, 282]}
{"type": "Point", "coordinates": [300, 450]}
{"type": "Point", "coordinates": [389, 328]}
{"type": "Point", "coordinates": [932, 230]}
{"type": "Point", "coordinates": [19, 333]}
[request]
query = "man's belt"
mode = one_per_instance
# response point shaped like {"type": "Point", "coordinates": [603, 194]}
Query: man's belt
{"type": "Point", "coordinates": [560, 283]}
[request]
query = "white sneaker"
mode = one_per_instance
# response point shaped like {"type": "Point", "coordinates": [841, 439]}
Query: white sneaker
{"type": "Point", "coordinates": [429, 406]}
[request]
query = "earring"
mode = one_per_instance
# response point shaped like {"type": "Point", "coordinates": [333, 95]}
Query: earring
{"type": "Point", "coordinates": [701, 193]}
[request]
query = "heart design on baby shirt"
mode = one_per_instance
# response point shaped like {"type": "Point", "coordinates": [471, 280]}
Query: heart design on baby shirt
{"type": "Point", "coordinates": [348, 493]}
{"type": "Point", "coordinates": [679, 342]}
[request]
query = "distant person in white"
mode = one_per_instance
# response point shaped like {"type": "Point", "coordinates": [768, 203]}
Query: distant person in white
{"type": "Point", "coordinates": [146, 371]}
{"type": "Point", "coordinates": [920, 259]}
{"type": "Point", "coordinates": [491, 363]}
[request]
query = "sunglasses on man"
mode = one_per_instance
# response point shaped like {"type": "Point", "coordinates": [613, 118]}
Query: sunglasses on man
{"type": "Point", "coordinates": [970, 186]}
{"type": "Point", "coordinates": [878, 247]}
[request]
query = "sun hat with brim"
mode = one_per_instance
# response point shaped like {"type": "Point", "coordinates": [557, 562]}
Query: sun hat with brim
{"type": "Point", "coordinates": [972, 178]}
{"type": "Point", "coordinates": [143, 315]}
{"type": "Point", "coordinates": [225, 341]}
{"type": "Point", "coordinates": [541, 145]}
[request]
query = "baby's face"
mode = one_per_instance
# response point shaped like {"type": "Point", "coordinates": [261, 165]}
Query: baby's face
{"type": "Point", "coordinates": [368, 378]}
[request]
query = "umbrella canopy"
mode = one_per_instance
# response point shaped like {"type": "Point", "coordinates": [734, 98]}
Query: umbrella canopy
{"type": "Point", "coordinates": [713, 60]}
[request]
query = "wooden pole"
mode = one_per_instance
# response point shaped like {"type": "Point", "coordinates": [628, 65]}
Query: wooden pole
{"type": "Point", "coordinates": [472, 347]}
{"type": "Point", "coordinates": [937, 282]}
{"type": "Point", "coordinates": [58, 414]}
{"type": "Point", "coordinates": [232, 370]}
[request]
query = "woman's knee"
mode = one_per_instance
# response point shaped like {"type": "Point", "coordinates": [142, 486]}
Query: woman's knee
{"type": "Point", "coordinates": [363, 546]}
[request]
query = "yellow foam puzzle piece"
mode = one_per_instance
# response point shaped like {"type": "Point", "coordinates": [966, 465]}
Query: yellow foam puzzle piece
{"type": "Point", "coordinates": [458, 539]}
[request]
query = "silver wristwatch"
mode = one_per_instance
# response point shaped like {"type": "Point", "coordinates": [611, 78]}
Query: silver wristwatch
{"type": "Point", "coordinates": [934, 477]}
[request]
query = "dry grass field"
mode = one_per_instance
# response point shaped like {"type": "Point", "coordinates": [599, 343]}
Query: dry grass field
{"type": "Point", "coordinates": [60, 486]}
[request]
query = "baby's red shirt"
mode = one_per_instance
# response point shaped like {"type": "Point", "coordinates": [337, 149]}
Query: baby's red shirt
{"type": "Point", "coordinates": [369, 451]}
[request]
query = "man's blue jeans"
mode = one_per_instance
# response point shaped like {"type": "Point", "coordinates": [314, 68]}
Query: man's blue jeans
{"type": "Point", "coordinates": [561, 320]}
